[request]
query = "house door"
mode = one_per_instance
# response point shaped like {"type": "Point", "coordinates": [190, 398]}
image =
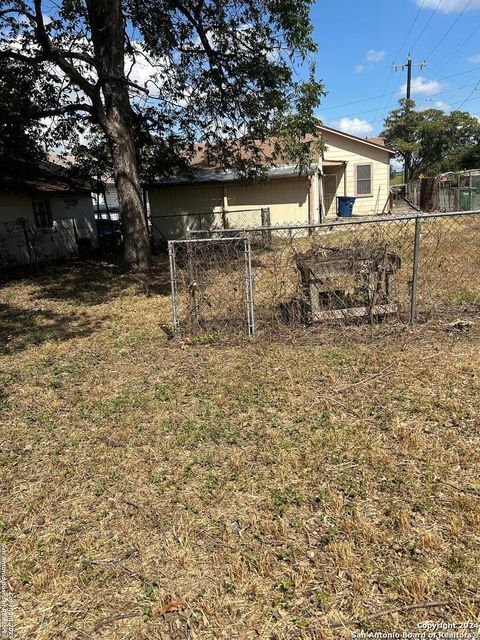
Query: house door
{"type": "Point", "coordinates": [329, 189]}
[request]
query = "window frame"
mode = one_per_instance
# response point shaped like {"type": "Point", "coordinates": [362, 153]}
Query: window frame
{"type": "Point", "coordinates": [370, 193]}
{"type": "Point", "coordinates": [46, 215]}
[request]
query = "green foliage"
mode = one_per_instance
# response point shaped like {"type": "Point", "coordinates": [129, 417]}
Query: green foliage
{"type": "Point", "coordinates": [432, 141]}
{"type": "Point", "coordinates": [227, 75]}
{"type": "Point", "coordinates": [19, 134]}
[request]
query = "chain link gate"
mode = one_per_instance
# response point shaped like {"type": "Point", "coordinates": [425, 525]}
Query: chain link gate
{"type": "Point", "coordinates": [212, 285]}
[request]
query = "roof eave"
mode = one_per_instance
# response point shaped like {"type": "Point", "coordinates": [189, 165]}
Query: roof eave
{"type": "Point", "coordinates": [356, 138]}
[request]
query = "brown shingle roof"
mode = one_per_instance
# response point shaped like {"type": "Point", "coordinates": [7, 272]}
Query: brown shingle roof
{"type": "Point", "coordinates": [43, 177]}
{"type": "Point", "coordinates": [199, 159]}
{"type": "Point", "coordinates": [379, 141]}
{"type": "Point", "coordinates": [267, 148]}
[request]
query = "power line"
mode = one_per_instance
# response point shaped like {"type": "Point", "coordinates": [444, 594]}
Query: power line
{"type": "Point", "coordinates": [410, 30]}
{"type": "Point", "coordinates": [426, 25]}
{"type": "Point", "coordinates": [460, 102]}
{"type": "Point", "coordinates": [475, 88]}
{"type": "Point", "coordinates": [459, 48]}
{"type": "Point", "coordinates": [469, 95]}
{"type": "Point", "coordinates": [469, 2]}
{"type": "Point", "coordinates": [405, 40]}
{"type": "Point", "coordinates": [398, 53]}
{"type": "Point", "coordinates": [391, 93]}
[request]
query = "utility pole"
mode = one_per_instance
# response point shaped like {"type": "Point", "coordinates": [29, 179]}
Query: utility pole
{"type": "Point", "coordinates": [408, 66]}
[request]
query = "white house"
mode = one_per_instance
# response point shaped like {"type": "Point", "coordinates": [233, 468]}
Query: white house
{"type": "Point", "coordinates": [45, 214]}
{"type": "Point", "coordinates": [348, 166]}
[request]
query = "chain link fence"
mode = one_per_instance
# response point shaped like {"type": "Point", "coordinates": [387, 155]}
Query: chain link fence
{"type": "Point", "coordinates": [270, 280]}
{"type": "Point", "coordinates": [178, 225]}
{"type": "Point", "coordinates": [22, 243]}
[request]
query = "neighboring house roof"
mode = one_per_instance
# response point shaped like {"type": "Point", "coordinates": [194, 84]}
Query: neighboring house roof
{"type": "Point", "coordinates": [42, 178]}
{"type": "Point", "coordinates": [64, 160]}
{"type": "Point", "coordinates": [374, 142]}
{"type": "Point", "coordinates": [267, 150]}
{"type": "Point", "coordinates": [379, 141]}
{"type": "Point", "coordinates": [207, 171]}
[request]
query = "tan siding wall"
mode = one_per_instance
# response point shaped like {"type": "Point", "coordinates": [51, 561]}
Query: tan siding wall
{"type": "Point", "coordinates": [71, 206]}
{"type": "Point", "coordinates": [287, 199]}
{"type": "Point", "coordinates": [14, 206]}
{"type": "Point", "coordinates": [169, 207]}
{"type": "Point", "coordinates": [355, 152]}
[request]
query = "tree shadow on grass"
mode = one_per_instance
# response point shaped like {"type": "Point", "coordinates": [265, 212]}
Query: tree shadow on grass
{"type": "Point", "coordinates": [22, 328]}
{"type": "Point", "coordinates": [95, 282]}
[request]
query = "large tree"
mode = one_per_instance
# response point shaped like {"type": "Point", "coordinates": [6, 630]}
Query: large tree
{"type": "Point", "coordinates": [431, 141]}
{"type": "Point", "coordinates": [225, 72]}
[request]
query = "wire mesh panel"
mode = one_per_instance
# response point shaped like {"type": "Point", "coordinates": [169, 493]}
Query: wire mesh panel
{"type": "Point", "coordinates": [333, 274]}
{"type": "Point", "coordinates": [449, 265]}
{"type": "Point", "coordinates": [178, 225]}
{"type": "Point", "coordinates": [212, 286]}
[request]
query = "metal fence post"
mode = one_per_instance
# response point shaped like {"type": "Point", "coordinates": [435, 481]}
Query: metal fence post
{"type": "Point", "coordinates": [173, 284]}
{"type": "Point", "coordinates": [249, 289]}
{"type": "Point", "coordinates": [416, 261]}
{"type": "Point", "coordinates": [192, 280]}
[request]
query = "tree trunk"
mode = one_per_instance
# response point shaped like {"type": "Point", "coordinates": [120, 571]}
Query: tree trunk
{"type": "Point", "coordinates": [427, 194]}
{"type": "Point", "coordinates": [134, 228]}
{"type": "Point", "coordinates": [107, 26]}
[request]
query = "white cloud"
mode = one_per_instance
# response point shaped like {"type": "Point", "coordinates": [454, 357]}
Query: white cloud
{"type": "Point", "coordinates": [474, 59]}
{"type": "Point", "coordinates": [449, 6]}
{"type": "Point", "coordinates": [359, 68]}
{"type": "Point", "coordinates": [143, 69]}
{"type": "Point", "coordinates": [375, 56]}
{"type": "Point", "coordinates": [357, 126]}
{"type": "Point", "coordinates": [421, 85]}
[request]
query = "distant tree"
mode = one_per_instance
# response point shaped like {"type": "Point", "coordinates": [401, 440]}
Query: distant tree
{"type": "Point", "coordinates": [432, 141]}
{"type": "Point", "coordinates": [226, 72]}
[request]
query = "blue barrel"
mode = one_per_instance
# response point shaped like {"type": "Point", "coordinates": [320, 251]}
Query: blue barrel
{"type": "Point", "coordinates": [345, 206]}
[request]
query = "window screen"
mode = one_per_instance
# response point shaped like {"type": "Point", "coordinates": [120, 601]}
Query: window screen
{"type": "Point", "coordinates": [364, 179]}
{"type": "Point", "coordinates": [42, 213]}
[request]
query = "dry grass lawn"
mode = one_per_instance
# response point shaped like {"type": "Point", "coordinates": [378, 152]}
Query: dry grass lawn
{"type": "Point", "coordinates": [271, 490]}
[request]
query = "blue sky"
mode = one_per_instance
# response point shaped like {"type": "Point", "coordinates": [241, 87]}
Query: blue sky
{"type": "Point", "coordinates": [360, 39]}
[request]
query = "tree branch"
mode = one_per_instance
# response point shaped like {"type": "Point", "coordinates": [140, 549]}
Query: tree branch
{"type": "Point", "coordinates": [14, 55]}
{"type": "Point", "coordinates": [77, 55]}
{"type": "Point", "coordinates": [212, 55]}
{"type": "Point", "coordinates": [67, 108]}
{"type": "Point", "coordinates": [56, 55]}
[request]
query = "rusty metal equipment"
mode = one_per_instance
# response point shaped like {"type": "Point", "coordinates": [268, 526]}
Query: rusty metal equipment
{"type": "Point", "coordinates": [346, 283]}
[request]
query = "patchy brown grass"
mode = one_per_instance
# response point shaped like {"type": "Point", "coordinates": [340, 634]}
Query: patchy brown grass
{"type": "Point", "coordinates": [164, 490]}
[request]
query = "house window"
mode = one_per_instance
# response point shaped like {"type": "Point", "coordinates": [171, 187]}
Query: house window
{"type": "Point", "coordinates": [364, 179]}
{"type": "Point", "coordinates": [42, 213]}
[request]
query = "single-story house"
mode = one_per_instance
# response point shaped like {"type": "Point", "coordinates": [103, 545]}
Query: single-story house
{"type": "Point", "coordinates": [45, 214]}
{"type": "Point", "coordinates": [348, 166]}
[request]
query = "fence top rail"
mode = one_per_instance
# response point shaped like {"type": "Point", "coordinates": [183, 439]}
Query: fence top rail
{"type": "Point", "coordinates": [341, 223]}
{"type": "Point", "coordinates": [186, 240]}
{"type": "Point", "coordinates": [205, 214]}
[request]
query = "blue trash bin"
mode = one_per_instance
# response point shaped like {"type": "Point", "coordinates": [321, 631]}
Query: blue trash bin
{"type": "Point", "coordinates": [345, 206]}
